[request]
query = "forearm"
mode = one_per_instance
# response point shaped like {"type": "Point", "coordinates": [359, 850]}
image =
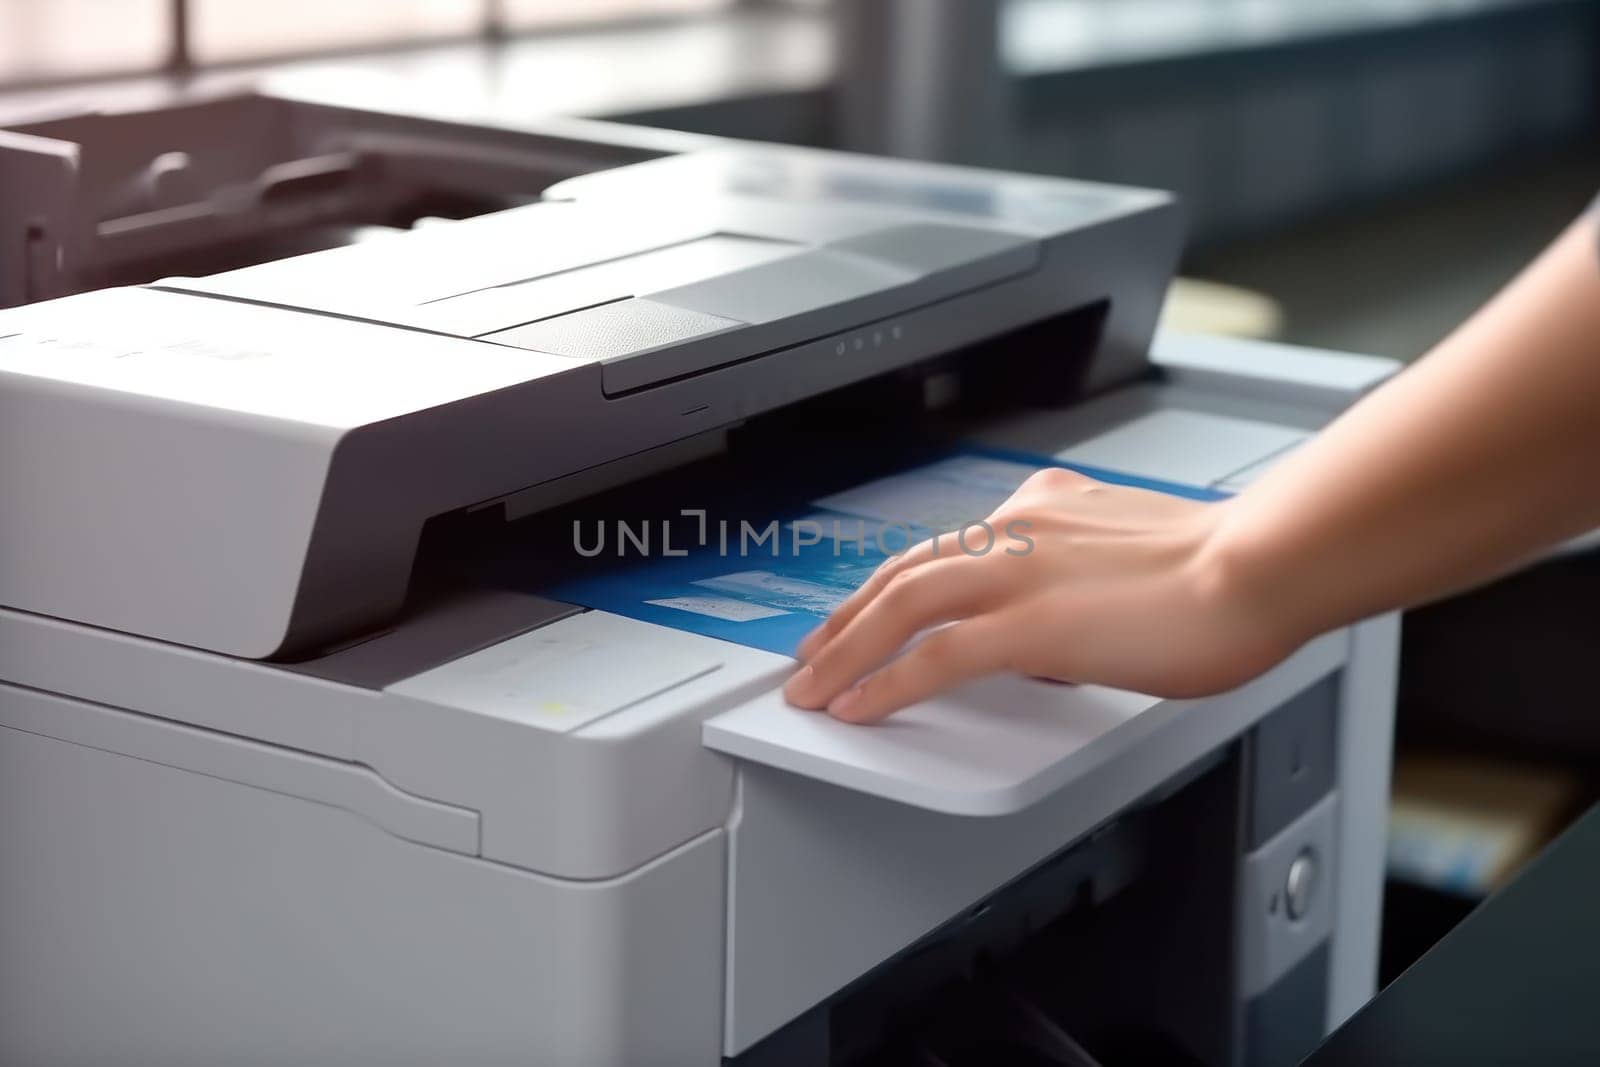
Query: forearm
{"type": "Point", "coordinates": [1471, 461]}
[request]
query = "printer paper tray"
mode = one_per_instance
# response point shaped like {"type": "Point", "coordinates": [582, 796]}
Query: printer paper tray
{"type": "Point", "coordinates": [994, 747]}
{"type": "Point", "coordinates": [991, 748]}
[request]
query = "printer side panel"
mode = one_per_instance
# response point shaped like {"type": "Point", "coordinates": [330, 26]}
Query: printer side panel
{"type": "Point", "coordinates": [158, 916]}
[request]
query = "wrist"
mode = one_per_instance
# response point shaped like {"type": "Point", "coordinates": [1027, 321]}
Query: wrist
{"type": "Point", "coordinates": [1252, 577]}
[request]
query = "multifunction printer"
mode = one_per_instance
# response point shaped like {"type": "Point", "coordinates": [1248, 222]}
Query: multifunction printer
{"type": "Point", "coordinates": [331, 732]}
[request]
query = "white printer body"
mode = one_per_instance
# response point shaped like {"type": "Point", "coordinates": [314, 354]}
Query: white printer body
{"type": "Point", "coordinates": [272, 791]}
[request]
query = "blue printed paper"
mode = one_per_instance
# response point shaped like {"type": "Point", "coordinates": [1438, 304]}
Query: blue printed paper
{"type": "Point", "coordinates": [767, 583]}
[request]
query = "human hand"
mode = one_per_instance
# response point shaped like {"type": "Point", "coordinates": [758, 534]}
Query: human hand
{"type": "Point", "coordinates": [1121, 587]}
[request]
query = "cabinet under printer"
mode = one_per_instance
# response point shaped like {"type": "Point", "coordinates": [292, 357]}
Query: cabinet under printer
{"type": "Point", "coordinates": [303, 759]}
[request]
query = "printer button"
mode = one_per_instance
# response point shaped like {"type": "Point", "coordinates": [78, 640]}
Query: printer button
{"type": "Point", "coordinates": [1300, 888]}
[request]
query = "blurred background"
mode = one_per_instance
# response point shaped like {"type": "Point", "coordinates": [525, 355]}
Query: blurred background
{"type": "Point", "coordinates": [1373, 167]}
{"type": "Point", "coordinates": [1360, 174]}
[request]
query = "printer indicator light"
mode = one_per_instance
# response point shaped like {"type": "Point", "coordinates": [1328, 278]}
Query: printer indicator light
{"type": "Point", "coordinates": [888, 334]}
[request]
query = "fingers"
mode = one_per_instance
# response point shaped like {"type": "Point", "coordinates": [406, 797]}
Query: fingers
{"type": "Point", "coordinates": [911, 600]}
{"type": "Point", "coordinates": [922, 552]}
{"type": "Point", "coordinates": [943, 660]}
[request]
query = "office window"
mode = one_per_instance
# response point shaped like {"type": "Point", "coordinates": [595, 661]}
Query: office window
{"type": "Point", "coordinates": [527, 14]}
{"type": "Point", "coordinates": [45, 39]}
{"type": "Point", "coordinates": [225, 30]}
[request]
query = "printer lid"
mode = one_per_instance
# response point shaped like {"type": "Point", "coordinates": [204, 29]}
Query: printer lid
{"type": "Point", "coordinates": [763, 247]}
{"type": "Point", "coordinates": [685, 263]}
{"type": "Point", "coordinates": [267, 443]}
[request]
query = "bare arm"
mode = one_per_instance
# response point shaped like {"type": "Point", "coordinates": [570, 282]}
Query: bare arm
{"type": "Point", "coordinates": [1472, 460]}
{"type": "Point", "coordinates": [1481, 454]}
